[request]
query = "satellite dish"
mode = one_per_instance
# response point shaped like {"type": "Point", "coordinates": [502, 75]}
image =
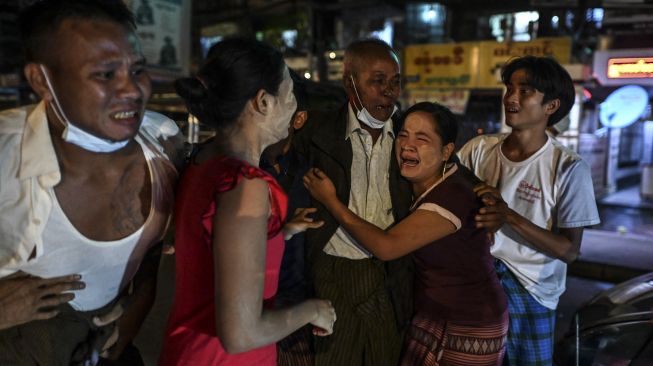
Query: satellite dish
{"type": "Point", "coordinates": [623, 106]}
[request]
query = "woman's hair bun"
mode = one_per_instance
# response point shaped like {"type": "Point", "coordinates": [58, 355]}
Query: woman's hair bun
{"type": "Point", "coordinates": [191, 89]}
{"type": "Point", "coordinates": [233, 73]}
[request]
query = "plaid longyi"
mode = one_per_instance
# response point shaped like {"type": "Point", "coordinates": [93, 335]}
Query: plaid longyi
{"type": "Point", "coordinates": [532, 325]}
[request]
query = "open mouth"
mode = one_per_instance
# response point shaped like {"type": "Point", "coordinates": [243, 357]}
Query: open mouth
{"type": "Point", "coordinates": [409, 161]}
{"type": "Point", "coordinates": [124, 115]}
{"type": "Point", "coordinates": [511, 109]}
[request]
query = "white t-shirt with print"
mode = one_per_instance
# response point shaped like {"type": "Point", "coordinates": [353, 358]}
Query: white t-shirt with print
{"type": "Point", "coordinates": [552, 188]}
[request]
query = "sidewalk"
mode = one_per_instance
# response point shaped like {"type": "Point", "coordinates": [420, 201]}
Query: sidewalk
{"type": "Point", "coordinates": [613, 257]}
{"type": "Point", "coordinates": [627, 198]}
{"type": "Point", "coordinates": [622, 246]}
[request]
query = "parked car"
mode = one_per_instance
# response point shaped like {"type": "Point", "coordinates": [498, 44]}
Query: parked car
{"type": "Point", "coordinates": [613, 328]}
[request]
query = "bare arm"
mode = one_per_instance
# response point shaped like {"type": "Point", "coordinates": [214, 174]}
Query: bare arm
{"type": "Point", "coordinates": [398, 241]}
{"type": "Point", "coordinates": [564, 245]}
{"type": "Point", "coordinates": [239, 242]}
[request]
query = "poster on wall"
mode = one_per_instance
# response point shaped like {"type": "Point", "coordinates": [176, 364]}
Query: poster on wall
{"type": "Point", "coordinates": [163, 29]}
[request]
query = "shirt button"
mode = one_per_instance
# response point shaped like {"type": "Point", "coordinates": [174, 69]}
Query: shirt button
{"type": "Point", "coordinates": [37, 222]}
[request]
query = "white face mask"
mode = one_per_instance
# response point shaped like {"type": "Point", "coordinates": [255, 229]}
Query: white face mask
{"type": "Point", "coordinates": [75, 135]}
{"type": "Point", "coordinates": [364, 115]}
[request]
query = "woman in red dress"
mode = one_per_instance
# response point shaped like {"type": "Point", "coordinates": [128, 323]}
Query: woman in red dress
{"type": "Point", "coordinates": [230, 215]}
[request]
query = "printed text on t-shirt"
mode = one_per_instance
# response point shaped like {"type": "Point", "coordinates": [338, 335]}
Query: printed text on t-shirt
{"type": "Point", "coordinates": [528, 192]}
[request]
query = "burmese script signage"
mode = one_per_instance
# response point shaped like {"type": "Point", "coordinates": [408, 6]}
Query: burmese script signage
{"type": "Point", "coordinates": [473, 64]}
{"type": "Point", "coordinates": [629, 67]}
{"type": "Point", "coordinates": [493, 55]}
{"type": "Point", "coordinates": [621, 67]}
{"type": "Point", "coordinates": [452, 65]}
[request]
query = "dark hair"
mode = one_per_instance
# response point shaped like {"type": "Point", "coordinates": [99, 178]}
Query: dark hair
{"type": "Point", "coordinates": [444, 121]}
{"type": "Point", "coordinates": [42, 19]}
{"type": "Point", "coordinates": [548, 77]}
{"type": "Point", "coordinates": [235, 70]}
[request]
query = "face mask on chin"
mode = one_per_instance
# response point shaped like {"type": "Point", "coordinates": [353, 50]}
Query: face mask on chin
{"type": "Point", "coordinates": [75, 135]}
{"type": "Point", "coordinates": [364, 115]}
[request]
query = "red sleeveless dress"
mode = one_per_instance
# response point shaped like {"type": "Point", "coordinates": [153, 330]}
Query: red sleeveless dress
{"type": "Point", "coordinates": [190, 338]}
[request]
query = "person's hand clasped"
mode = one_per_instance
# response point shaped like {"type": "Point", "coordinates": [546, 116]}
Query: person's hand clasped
{"type": "Point", "coordinates": [325, 318]}
{"type": "Point", "coordinates": [495, 212]}
{"type": "Point", "coordinates": [24, 298]}
{"type": "Point", "coordinates": [319, 185]}
{"type": "Point", "coordinates": [301, 222]}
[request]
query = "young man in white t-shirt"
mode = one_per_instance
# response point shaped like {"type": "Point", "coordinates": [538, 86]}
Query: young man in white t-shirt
{"type": "Point", "coordinates": [547, 200]}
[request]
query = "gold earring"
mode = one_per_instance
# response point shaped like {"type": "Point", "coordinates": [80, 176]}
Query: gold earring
{"type": "Point", "coordinates": [444, 167]}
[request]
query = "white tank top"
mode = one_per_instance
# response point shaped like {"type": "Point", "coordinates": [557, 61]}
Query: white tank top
{"type": "Point", "coordinates": [106, 267]}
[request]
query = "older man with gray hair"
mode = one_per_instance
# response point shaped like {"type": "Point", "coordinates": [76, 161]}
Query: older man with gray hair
{"type": "Point", "coordinates": [354, 147]}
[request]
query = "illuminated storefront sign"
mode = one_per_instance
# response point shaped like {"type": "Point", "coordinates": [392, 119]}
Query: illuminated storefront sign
{"type": "Point", "coordinates": [441, 65]}
{"type": "Point", "coordinates": [624, 106]}
{"type": "Point", "coordinates": [473, 64]}
{"type": "Point", "coordinates": [629, 68]}
{"type": "Point", "coordinates": [620, 67]}
{"type": "Point", "coordinates": [493, 55]}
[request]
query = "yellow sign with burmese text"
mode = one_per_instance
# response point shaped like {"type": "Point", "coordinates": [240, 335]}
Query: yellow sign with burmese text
{"type": "Point", "coordinates": [473, 64]}
{"type": "Point", "coordinates": [493, 55]}
{"type": "Point", "coordinates": [441, 66]}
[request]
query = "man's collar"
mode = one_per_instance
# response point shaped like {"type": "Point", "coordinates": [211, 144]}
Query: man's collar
{"type": "Point", "coordinates": [38, 156]}
{"type": "Point", "coordinates": [353, 124]}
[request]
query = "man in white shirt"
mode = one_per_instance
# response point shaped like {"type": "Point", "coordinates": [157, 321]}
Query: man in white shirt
{"type": "Point", "coordinates": [86, 189]}
{"type": "Point", "coordinates": [548, 199]}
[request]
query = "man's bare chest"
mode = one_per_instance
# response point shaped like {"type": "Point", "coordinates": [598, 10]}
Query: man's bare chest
{"type": "Point", "coordinates": [107, 205]}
